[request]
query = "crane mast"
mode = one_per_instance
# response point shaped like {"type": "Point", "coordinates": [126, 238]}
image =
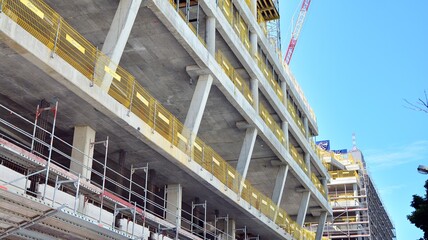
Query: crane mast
{"type": "Point", "coordinates": [296, 30]}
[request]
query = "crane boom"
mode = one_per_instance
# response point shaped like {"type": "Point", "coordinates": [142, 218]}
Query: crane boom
{"type": "Point", "coordinates": [296, 30]}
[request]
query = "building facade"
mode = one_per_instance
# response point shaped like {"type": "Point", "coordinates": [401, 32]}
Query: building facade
{"type": "Point", "coordinates": [154, 119]}
{"type": "Point", "coordinates": [358, 212]}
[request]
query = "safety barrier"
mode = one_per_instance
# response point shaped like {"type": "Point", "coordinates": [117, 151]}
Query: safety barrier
{"type": "Point", "coordinates": [194, 29]}
{"type": "Point", "coordinates": [299, 159]}
{"type": "Point", "coordinates": [271, 123]}
{"type": "Point", "coordinates": [238, 24]}
{"type": "Point", "coordinates": [344, 174]}
{"type": "Point", "coordinates": [47, 26]}
{"type": "Point", "coordinates": [318, 184]}
{"type": "Point", "coordinates": [237, 80]}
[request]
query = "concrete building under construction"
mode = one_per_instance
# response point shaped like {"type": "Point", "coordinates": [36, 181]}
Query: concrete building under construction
{"type": "Point", "coordinates": [358, 212]}
{"type": "Point", "coordinates": [153, 119]}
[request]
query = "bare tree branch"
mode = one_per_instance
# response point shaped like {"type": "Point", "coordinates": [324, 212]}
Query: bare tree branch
{"type": "Point", "coordinates": [421, 105]}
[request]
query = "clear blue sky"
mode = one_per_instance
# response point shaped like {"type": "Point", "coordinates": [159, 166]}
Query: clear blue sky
{"type": "Point", "coordinates": [356, 61]}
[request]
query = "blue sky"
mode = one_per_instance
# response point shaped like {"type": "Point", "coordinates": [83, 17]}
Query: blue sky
{"type": "Point", "coordinates": [356, 61]}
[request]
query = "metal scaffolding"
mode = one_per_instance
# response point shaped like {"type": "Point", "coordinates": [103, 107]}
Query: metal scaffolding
{"type": "Point", "coordinates": [65, 196]}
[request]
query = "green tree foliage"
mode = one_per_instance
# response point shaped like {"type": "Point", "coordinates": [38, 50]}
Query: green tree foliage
{"type": "Point", "coordinates": [419, 217]}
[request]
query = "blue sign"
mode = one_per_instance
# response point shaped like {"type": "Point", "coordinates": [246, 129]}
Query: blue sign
{"type": "Point", "coordinates": [340, 151]}
{"type": "Point", "coordinates": [324, 144]}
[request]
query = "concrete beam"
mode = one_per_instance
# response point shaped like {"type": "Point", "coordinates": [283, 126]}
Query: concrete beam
{"type": "Point", "coordinates": [301, 215]}
{"type": "Point", "coordinates": [197, 105]}
{"type": "Point", "coordinates": [173, 204]}
{"type": "Point", "coordinates": [321, 224]}
{"type": "Point", "coordinates": [279, 184]}
{"type": "Point", "coordinates": [118, 35]}
{"type": "Point", "coordinates": [246, 152]}
{"type": "Point", "coordinates": [210, 35]}
{"type": "Point", "coordinates": [82, 151]}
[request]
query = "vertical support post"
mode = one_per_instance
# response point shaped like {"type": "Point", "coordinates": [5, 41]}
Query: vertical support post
{"type": "Point", "coordinates": [284, 127]}
{"type": "Point", "coordinates": [197, 107]}
{"type": "Point", "coordinates": [301, 215]}
{"type": "Point", "coordinates": [254, 8]}
{"type": "Point", "coordinates": [210, 34]}
{"type": "Point", "coordinates": [104, 175]}
{"type": "Point", "coordinates": [35, 128]}
{"type": "Point", "coordinates": [91, 84]}
{"type": "Point", "coordinates": [308, 163]}
{"type": "Point", "coordinates": [55, 110]}
{"type": "Point", "coordinates": [197, 21]}
{"type": "Point", "coordinates": [187, 11]}
{"type": "Point", "coordinates": [306, 126]}
{"type": "Point", "coordinates": [131, 101]}
{"type": "Point", "coordinates": [255, 94]}
{"type": "Point", "coordinates": [253, 42]}
{"type": "Point", "coordinates": [321, 224]}
{"type": "Point", "coordinates": [280, 184]}
{"type": "Point", "coordinates": [284, 93]}
{"type": "Point", "coordinates": [245, 154]}
{"type": "Point", "coordinates": [76, 199]}
{"type": "Point", "coordinates": [56, 38]}
{"type": "Point", "coordinates": [1, 6]}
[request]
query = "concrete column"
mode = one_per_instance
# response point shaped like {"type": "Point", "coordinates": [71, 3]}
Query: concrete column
{"type": "Point", "coordinates": [284, 126]}
{"type": "Point", "coordinates": [324, 183]}
{"type": "Point", "coordinates": [284, 93]}
{"type": "Point", "coordinates": [231, 230]}
{"type": "Point", "coordinates": [82, 151]}
{"type": "Point", "coordinates": [306, 126]}
{"type": "Point", "coordinates": [255, 94]}
{"type": "Point", "coordinates": [253, 42]}
{"type": "Point", "coordinates": [279, 184]}
{"type": "Point", "coordinates": [197, 106]}
{"type": "Point", "coordinates": [173, 206]}
{"type": "Point", "coordinates": [308, 162]}
{"type": "Point", "coordinates": [122, 170]}
{"type": "Point", "coordinates": [303, 208]}
{"type": "Point", "coordinates": [355, 188]}
{"type": "Point", "coordinates": [254, 7]}
{"type": "Point", "coordinates": [118, 35]}
{"type": "Point", "coordinates": [321, 224]}
{"type": "Point", "coordinates": [210, 35]}
{"type": "Point", "coordinates": [245, 154]}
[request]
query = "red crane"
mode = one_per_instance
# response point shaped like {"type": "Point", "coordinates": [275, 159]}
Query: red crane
{"type": "Point", "coordinates": [296, 30]}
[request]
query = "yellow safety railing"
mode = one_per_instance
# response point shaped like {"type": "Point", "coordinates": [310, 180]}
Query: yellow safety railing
{"type": "Point", "coordinates": [343, 174]}
{"type": "Point", "coordinates": [238, 24]}
{"type": "Point", "coordinates": [272, 124]}
{"type": "Point", "coordinates": [237, 80]}
{"type": "Point", "coordinates": [296, 118]}
{"type": "Point", "coordinates": [299, 159]}
{"type": "Point", "coordinates": [318, 184]}
{"type": "Point", "coordinates": [48, 27]}
{"type": "Point", "coordinates": [190, 24]}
